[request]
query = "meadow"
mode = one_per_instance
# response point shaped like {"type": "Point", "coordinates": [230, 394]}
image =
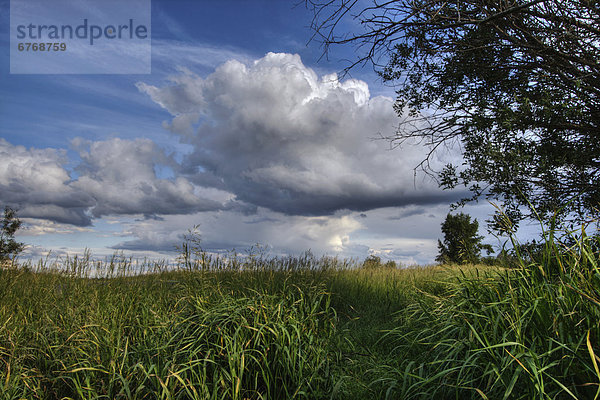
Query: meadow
{"type": "Point", "coordinates": [260, 327]}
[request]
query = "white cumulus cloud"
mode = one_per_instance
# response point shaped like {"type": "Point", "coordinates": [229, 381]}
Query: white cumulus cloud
{"type": "Point", "coordinates": [278, 136]}
{"type": "Point", "coordinates": [36, 181]}
{"type": "Point", "coordinates": [120, 175]}
{"type": "Point", "coordinates": [113, 177]}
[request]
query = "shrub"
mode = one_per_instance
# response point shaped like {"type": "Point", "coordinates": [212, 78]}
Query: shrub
{"type": "Point", "coordinates": [9, 224]}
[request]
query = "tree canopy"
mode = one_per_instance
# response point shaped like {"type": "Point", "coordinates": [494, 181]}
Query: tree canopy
{"type": "Point", "coordinates": [514, 83]}
{"type": "Point", "coordinates": [462, 243]}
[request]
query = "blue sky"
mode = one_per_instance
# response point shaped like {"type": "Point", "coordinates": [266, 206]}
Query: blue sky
{"type": "Point", "coordinates": [242, 128]}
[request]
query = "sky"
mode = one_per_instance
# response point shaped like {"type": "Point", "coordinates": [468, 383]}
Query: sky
{"type": "Point", "coordinates": [242, 129]}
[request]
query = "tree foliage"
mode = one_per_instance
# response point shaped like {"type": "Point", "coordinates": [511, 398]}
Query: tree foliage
{"type": "Point", "coordinates": [9, 224]}
{"type": "Point", "coordinates": [462, 243]}
{"type": "Point", "coordinates": [514, 83]}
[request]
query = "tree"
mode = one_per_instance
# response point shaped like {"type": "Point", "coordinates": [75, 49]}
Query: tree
{"type": "Point", "coordinates": [514, 83]}
{"type": "Point", "coordinates": [9, 224]}
{"type": "Point", "coordinates": [462, 244]}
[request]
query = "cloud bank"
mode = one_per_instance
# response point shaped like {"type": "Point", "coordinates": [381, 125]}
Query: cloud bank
{"type": "Point", "coordinates": [113, 177]}
{"type": "Point", "coordinates": [276, 135]}
{"type": "Point", "coordinates": [277, 155]}
{"type": "Point", "coordinates": [36, 181]}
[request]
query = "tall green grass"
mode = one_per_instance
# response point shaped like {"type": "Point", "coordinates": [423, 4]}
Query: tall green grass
{"type": "Point", "coordinates": [174, 335]}
{"type": "Point", "coordinates": [260, 327]}
{"type": "Point", "coordinates": [528, 333]}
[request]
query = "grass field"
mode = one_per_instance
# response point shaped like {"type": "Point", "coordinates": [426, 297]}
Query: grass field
{"type": "Point", "coordinates": [264, 328]}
